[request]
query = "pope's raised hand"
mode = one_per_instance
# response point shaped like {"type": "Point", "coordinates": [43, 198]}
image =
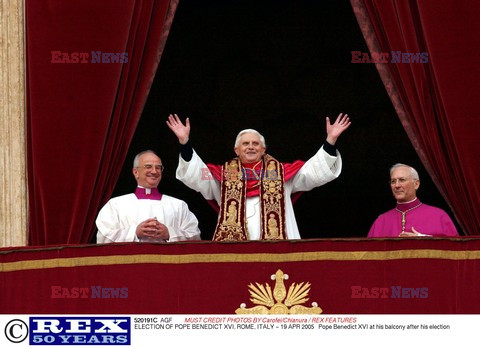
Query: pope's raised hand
{"type": "Point", "coordinates": [181, 131]}
{"type": "Point", "coordinates": [336, 129]}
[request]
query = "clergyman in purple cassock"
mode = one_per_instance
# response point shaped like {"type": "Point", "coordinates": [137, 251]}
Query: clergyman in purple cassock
{"type": "Point", "coordinates": [410, 217]}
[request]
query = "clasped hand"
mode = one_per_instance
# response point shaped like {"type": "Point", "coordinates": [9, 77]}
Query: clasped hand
{"type": "Point", "coordinates": [152, 229]}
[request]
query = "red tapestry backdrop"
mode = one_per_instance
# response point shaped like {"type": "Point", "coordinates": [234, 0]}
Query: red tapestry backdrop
{"type": "Point", "coordinates": [90, 65]}
{"type": "Point", "coordinates": [346, 276]}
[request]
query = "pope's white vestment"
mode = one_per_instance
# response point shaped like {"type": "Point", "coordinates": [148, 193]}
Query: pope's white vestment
{"type": "Point", "coordinates": [318, 170]}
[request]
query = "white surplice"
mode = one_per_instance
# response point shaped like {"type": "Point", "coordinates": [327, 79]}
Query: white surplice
{"type": "Point", "coordinates": [318, 170]}
{"type": "Point", "coordinates": [117, 221]}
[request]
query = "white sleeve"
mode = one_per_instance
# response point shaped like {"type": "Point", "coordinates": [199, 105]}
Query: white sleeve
{"type": "Point", "coordinates": [185, 225]}
{"type": "Point", "coordinates": [318, 170]}
{"type": "Point", "coordinates": [110, 228]}
{"type": "Point", "coordinates": [196, 175]}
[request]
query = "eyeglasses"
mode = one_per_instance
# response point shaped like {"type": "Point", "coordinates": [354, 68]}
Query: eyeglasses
{"type": "Point", "coordinates": [401, 180]}
{"type": "Point", "coordinates": [149, 167]}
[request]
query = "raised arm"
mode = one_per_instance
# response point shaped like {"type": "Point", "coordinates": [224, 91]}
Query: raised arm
{"type": "Point", "coordinates": [178, 128]}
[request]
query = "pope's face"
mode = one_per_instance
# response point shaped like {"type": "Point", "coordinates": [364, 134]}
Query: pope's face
{"type": "Point", "coordinates": [149, 171]}
{"type": "Point", "coordinates": [404, 187]}
{"type": "Point", "coordinates": [250, 149]}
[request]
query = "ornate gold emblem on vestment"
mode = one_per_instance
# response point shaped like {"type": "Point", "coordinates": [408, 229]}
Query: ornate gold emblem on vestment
{"type": "Point", "coordinates": [273, 204]}
{"type": "Point", "coordinates": [232, 223]}
{"type": "Point", "coordinates": [280, 301]}
{"type": "Point", "coordinates": [230, 226]}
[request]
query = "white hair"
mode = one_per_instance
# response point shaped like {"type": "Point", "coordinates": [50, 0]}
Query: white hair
{"type": "Point", "coordinates": [249, 130]}
{"type": "Point", "coordinates": [413, 172]}
{"type": "Point", "coordinates": [136, 160]}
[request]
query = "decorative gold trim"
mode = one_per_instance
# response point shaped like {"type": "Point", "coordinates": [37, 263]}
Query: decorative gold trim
{"type": "Point", "coordinates": [286, 303]}
{"type": "Point", "coordinates": [238, 258]}
{"type": "Point", "coordinates": [231, 225]}
{"type": "Point", "coordinates": [272, 198]}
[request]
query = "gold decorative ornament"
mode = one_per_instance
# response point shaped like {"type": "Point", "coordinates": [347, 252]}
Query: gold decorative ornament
{"type": "Point", "coordinates": [232, 224]}
{"type": "Point", "coordinates": [280, 301]}
{"type": "Point", "coordinates": [404, 221]}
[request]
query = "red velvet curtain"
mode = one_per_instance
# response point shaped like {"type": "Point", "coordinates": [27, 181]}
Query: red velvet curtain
{"type": "Point", "coordinates": [90, 65]}
{"type": "Point", "coordinates": [437, 101]}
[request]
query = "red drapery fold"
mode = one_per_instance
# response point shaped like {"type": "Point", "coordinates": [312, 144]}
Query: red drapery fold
{"type": "Point", "coordinates": [436, 101]}
{"type": "Point", "coordinates": [90, 65]}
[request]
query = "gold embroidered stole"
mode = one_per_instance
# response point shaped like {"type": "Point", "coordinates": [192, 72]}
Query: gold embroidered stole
{"type": "Point", "coordinates": [232, 223]}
